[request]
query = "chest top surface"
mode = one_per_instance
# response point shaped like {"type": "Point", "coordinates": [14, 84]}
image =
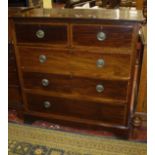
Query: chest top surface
{"type": "Point", "coordinates": [86, 14]}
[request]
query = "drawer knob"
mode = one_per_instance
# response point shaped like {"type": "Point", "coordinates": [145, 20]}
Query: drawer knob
{"type": "Point", "coordinates": [100, 63]}
{"type": "Point", "coordinates": [47, 104]}
{"type": "Point", "coordinates": [101, 36]}
{"type": "Point", "coordinates": [45, 82]}
{"type": "Point", "coordinates": [42, 58]}
{"type": "Point", "coordinates": [40, 34]}
{"type": "Point", "coordinates": [99, 88]}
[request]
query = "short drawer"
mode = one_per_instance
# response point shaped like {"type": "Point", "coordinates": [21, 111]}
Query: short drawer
{"type": "Point", "coordinates": [80, 86]}
{"type": "Point", "coordinates": [80, 63]}
{"type": "Point", "coordinates": [102, 36]}
{"type": "Point", "coordinates": [80, 109]}
{"type": "Point", "coordinates": [41, 33]}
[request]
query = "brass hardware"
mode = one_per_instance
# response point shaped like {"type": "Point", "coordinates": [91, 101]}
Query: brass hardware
{"type": "Point", "coordinates": [40, 34]}
{"type": "Point", "coordinates": [99, 88]}
{"type": "Point", "coordinates": [47, 104]}
{"type": "Point", "coordinates": [101, 36]}
{"type": "Point", "coordinates": [100, 63]}
{"type": "Point", "coordinates": [42, 58]}
{"type": "Point", "coordinates": [45, 82]}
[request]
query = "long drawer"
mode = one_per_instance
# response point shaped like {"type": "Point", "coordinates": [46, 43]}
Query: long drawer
{"type": "Point", "coordinates": [68, 84]}
{"type": "Point", "coordinates": [80, 63]}
{"type": "Point", "coordinates": [112, 114]}
{"type": "Point", "coordinates": [41, 33]}
{"type": "Point", "coordinates": [102, 36]}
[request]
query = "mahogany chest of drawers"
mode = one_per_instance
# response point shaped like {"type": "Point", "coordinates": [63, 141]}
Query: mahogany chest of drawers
{"type": "Point", "coordinates": [76, 67]}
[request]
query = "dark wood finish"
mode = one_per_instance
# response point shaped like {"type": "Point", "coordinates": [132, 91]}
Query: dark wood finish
{"type": "Point", "coordinates": [78, 63]}
{"type": "Point", "coordinates": [13, 77]}
{"type": "Point", "coordinates": [116, 36]}
{"type": "Point", "coordinates": [14, 97]}
{"type": "Point", "coordinates": [12, 67]}
{"type": "Point", "coordinates": [75, 108]}
{"type": "Point", "coordinates": [76, 85]}
{"type": "Point", "coordinates": [80, 14]}
{"type": "Point", "coordinates": [71, 66]}
{"type": "Point", "coordinates": [14, 92]}
{"type": "Point", "coordinates": [54, 34]}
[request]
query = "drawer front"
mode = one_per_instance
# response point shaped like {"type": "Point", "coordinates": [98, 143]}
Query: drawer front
{"type": "Point", "coordinates": [76, 86]}
{"type": "Point", "coordinates": [40, 33]}
{"type": "Point", "coordinates": [85, 64]}
{"type": "Point", "coordinates": [98, 65]}
{"type": "Point", "coordinates": [67, 107]}
{"type": "Point", "coordinates": [44, 60]}
{"type": "Point", "coordinates": [102, 36]}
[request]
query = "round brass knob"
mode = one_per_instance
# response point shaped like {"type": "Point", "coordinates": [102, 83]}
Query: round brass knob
{"type": "Point", "coordinates": [47, 104]}
{"type": "Point", "coordinates": [99, 88]}
{"type": "Point", "coordinates": [42, 58]}
{"type": "Point", "coordinates": [45, 82]}
{"type": "Point", "coordinates": [101, 36]}
{"type": "Point", "coordinates": [100, 63]}
{"type": "Point", "coordinates": [40, 34]}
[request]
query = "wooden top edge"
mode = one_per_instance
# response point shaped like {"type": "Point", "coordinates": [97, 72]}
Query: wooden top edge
{"type": "Point", "coordinates": [13, 11]}
{"type": "Point", "coordinates": [124, 14]}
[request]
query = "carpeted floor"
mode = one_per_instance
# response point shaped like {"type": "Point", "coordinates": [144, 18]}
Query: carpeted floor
{"type": "Point", "coordinates": [30, 140]}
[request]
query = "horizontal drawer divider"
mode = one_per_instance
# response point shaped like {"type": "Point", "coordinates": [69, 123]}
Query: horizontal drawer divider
{"type": "Point", "coordinates": [76, 97]}
{"type": "Point", "coordinates": [41, 45]}
{"type": "Point", "coordinates": [74, 119]}
{"type": "Point", "coordinates": [26, 69]}
{"type": "Point", "coordinates": [103, 50]}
